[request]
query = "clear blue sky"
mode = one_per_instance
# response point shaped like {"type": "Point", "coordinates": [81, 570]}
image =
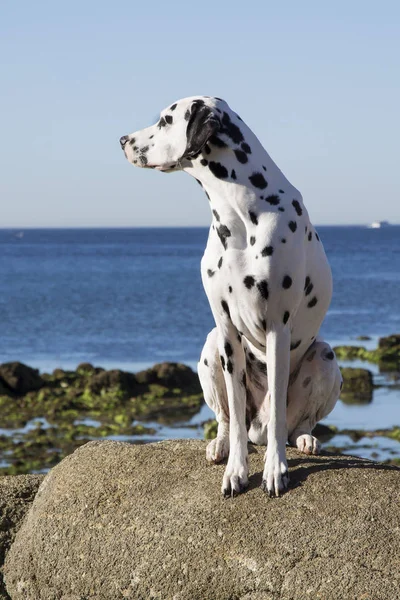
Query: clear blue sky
{"type": "Point", "coordinates": [318, 82]}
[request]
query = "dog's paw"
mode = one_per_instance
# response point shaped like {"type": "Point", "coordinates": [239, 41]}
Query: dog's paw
{"type": "Point", "coordinates": [218, 449]}
{"type": "Point", "coordinates": [308, 444]}
{"type": "Point", "coordinates": [276, 476]}
{"type": "Point", "coordinates": [236, 478]}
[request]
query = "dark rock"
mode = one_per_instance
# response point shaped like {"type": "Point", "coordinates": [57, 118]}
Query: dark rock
{"type": "Point", "coordinates": [358, 386]}
{"type": "Point", "coordinates": [173, 375]}
{"type": "Point", "coordinates": [86, 368]}
{"type": "Point", "coordinates": [19, 378]}
{"type": "Point", "coordinates": [150, 522]}
{"type": "Point", "coordinates": [114, 380]}
{"type": "Point", "coordinates": [389, 342]}
{"type": "Point", "coordinates": [16, 496]}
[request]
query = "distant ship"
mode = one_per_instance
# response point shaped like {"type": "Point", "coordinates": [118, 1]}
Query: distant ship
{"type": "Point", "coordinates": [379, 224]}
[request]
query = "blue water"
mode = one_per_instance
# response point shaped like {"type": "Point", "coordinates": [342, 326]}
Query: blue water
{"type": "Point", "coordinates": [131, 297]}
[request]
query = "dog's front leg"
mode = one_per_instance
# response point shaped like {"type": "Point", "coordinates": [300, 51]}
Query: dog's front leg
{"type": "Point", "coordinates": [233, 362]}
{"type": "Point", "coordinates": [276, 476]}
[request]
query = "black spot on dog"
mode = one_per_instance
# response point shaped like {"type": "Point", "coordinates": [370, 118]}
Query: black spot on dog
{"type": "Point", "coordinates": [305, 229]}
{"type": "Point", "coordinates": [231, 130]}
{"type": "Point", "coordinates": [230, 289]}
{"type": "Point", "coordinates": [265, 168]}
{"type": "Point", "coordinates": [222, 362]}
{"type": "Point", "coordinates": [206, 362]}
{"type": "Point", "coordinates": [286, 282]}
{"type": "Point", "coordinates": [187, 115]}
{"type": "Point", "coordinates": [264, 324]}
{"type": "Point", "coordinates": [225, 308]}
{"type": "Point", "coordinates": [281, 209]}
{"type": "Point", "coordinates": [283, 240]}
{"type": "Point", "coordinates": [144, 149]}
{"type": "Point", "coordinates": [143, 159]}
{"type": "Point", "coordinates": [169, 119]}
{"type": "Point", "coordinates": [216, 215]}
{"type": "Point", "coordinates": [252, 240]}
{"type": "Point", "coordinates": [329, 355]}
{"type": "Point", "coordinates": [239, 338]}
{"type": "Point", "coordinates": [297, 207]}
{"type": "Point", "coordinates": [218, 170]}
{"type": "Point", "coordinates": [244, 378]}
{"type": "Point", "coordinates": [216, 141]}
{"type": "Point", "coordinates": [309, 236]}
{"type": "Point", "coordinates": [246, 148]}
{"type": "Point", "coordinates": [204, 162]}
{"type": "Point", "coordinates": [307, 282]}
{"type": "Point", "coordinates": [210, 273]}
{"type": "Point", "coordinates": [267, 251]}
{"type": "Point", "coordinates": [295, 345]}
{"type": "Point", "coordinates": [317, 236]}
{"type": "Point", "coordinates": [233, 174]}
{"type": "Point", "coordinates": [258, 180]}
{"type": "Point", "coordinates": [220, 263]}
{"type": "Point", "coordinates": [199, 182]}
{"type": "Point", "coordinates": [286, 317]}
{"type": "Point", "coordinates": [281, 191]}
{"type": "Point", "coordinates": [229, 366]}
{"type": "Point", "coordinates": [223, 233]}
{"type": "Point", "coordinates": [306, 382]}
{"type": "Point", "coordinates": [162, 123]}
{"type": "Point", "coordinates": [207, 149]}
{"type": "Point", "coordinates": [261, 366]}
{"type": "Point", "coordinates": [228, 349]}
{"type": "Point", "coordinates": [253, 217]}
{"type": "Point", "coordinates": [263, 289]}
{"type": "Point", "coordinates": [251, 356]}
{"type": "Point", "coordinates": [312, 302]}
{"type": "Point", "coordinates": [173, 107]}
{"type": "Point", "coordinates": [272, 199]}
{"type": "Point", "coordinates": [312, 356]}
{"type": "Point", "coordinates": [132, 141]}
{"type": "Point", "coordinates": [241, 156]}
{"type": "Point", "coordinates": [309, 289]}
{"type": "Point", "coordinates": [249, 281]}
{"type": "Point", "coordinates": [292, 226]}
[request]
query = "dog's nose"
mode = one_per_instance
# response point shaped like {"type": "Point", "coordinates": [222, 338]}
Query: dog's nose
{"type": "Point", "coordinates": [123, 140]}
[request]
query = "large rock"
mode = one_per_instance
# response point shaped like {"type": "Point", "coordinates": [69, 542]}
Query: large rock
{"type": "Point", "coordinates": [358, 385]}
{"type": "Point", "coordinates": [19, 378]}
{"type": "Point", "coordinates": [115, 521]}
{"type": "Point", "coordinates": [16, 496]}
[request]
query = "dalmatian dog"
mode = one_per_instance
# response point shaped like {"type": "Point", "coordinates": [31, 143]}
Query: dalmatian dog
{"type": "Point", "coordinates": [264, 371]}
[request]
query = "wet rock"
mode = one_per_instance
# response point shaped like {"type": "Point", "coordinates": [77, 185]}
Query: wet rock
{"type": "Point", "coordinates": [86, 368]}
{"type": "Point", "coordinates": [19, 379]}
{"type": "Point", "coordinates": [357, 386]}
{"type": "Point", "coordinates": [114, 380]}
{"type": "Point", "coordinates": [173, 375]}
{"type": "Point", "coordinates": [16, 496]}
{"type": "Point", "coordinates": [363, 338]}
{"type": "Point", "coordinates": [149, 521]}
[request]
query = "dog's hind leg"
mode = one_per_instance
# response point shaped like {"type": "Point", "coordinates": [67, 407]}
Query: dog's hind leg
{"type": "Point", "coordinates": [313, 391]}
{"type": "Point", "coordinates": [214, 390]}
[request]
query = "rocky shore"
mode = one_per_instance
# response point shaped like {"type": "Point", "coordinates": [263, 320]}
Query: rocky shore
{"type": "Point", "coordinates": [50, 415]}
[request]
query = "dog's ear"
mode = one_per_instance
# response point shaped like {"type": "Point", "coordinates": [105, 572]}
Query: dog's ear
{"type": "Point", "coordinates": [201, 126]}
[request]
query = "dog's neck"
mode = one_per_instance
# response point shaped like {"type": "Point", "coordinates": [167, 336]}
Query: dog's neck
{"type": "Point", "coordinates": [234, 201]}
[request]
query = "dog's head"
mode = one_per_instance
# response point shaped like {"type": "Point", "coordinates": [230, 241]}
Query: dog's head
{"type": "Point", "coordinates": [182, 131]}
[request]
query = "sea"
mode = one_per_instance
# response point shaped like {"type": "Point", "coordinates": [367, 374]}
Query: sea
{"type": "Point", "coordinates": [128, 298]}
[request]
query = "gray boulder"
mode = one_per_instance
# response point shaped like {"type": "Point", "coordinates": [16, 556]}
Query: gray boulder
{"type": "Point", "coordinates": [16, 496]}
{"type": "Point", "coordinates": [116, 521]}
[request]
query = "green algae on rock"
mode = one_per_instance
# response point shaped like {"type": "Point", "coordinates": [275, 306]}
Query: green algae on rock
{"type": "Point", "coordinates": [115, 399]}
{"type": "Point", "coordinates": [386, 355]}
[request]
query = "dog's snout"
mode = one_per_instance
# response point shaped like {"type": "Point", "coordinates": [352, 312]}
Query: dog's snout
{"type": "Point", "coordinates": [123, 140]}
